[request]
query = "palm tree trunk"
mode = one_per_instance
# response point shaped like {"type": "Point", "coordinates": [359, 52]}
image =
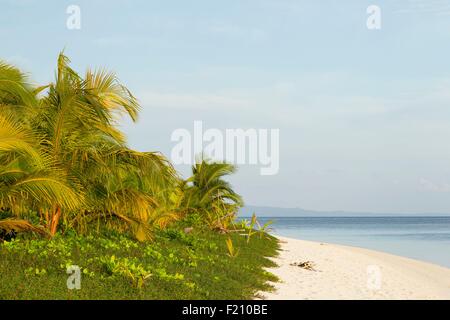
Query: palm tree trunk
{"type": "Point", "coordinates": [55, 221]}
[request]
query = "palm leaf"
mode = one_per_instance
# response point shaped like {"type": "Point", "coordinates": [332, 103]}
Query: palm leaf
{"type": "Point", "coordinates": [19, 225]}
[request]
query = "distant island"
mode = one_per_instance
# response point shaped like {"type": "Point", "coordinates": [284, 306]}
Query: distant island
{"type": "Point", "coordinates": [262, 211]}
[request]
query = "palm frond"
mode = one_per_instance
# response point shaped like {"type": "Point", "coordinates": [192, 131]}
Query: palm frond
{"type": "Point", "coordinates": [20, 225]}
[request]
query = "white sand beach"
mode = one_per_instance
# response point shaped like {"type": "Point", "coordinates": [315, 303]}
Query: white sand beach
{"type": "Point", "coordinates": [343, 272]}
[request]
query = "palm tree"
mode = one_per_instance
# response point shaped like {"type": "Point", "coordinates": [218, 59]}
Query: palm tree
{"type": "Point", "coordinates": [71, 139]}
{"type": "Point", "coordinates": [28, 177]}
{"type": "Point", "coordinates": [79, 119]}
{"type": "Point", "coordinates": [64, 160]}
{"type": "Point", "coordinates": [206, 193]}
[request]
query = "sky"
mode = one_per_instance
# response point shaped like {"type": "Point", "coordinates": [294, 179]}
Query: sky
{"type": "Point", "coordinates": [363, 115]}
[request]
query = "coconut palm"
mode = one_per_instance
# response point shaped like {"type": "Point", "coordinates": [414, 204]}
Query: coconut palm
{"type": "Point", "coordinates": [28, 177]}
{"type": "Point", "coordinates": [71, 139]}
{"type": "Point", "coordinates": [79, 119]}
{"type": "Point", "coordinates": [207, 193]}
{"type": "Point", "coordinates": [64, 160]}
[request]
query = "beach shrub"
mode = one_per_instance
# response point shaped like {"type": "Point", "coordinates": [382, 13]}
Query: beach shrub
{"type": "Point", "coordinates": [65, 164]}
{"type": "Point", "coordinates": [114, 267]}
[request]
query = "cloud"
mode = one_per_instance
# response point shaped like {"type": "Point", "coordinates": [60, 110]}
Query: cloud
{"type": "Point", "coordinates": [21, 2]}
{"type": "Point", "coordinates": [237, 31]}
{"type": "Point", "coordinates": [21, 62]}
{"type": "Point", "coordinates": [121, 40]}
{"type": "Point", "coordinates": [110, 41]}
{"type": "Point", "coordinates": [429, 185]}
{"type": "Point", "coordinates": [322, 102]}
{"type": "Point", "coordinates": [435, 7]}
{"type": "Point", "coordinates": [199, 101]}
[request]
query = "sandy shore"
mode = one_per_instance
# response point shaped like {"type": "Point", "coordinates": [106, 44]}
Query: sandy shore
{"type": "Point", "coordinates": [342, 272]}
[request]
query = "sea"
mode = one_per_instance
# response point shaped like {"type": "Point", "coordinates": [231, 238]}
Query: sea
{"type": "Point", "coordinates": [422, 238]}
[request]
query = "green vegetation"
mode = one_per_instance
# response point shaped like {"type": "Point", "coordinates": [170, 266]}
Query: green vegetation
{"type": "Point", "coordinates": [76, 194]}
{"type": "Point", "coordinates": [64, 161]}
{"type": "Point", "coordinates": [174, 266]}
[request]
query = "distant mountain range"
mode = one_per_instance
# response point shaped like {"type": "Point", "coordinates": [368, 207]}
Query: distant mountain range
{"type": "Point", "coordinates": [247, 211]}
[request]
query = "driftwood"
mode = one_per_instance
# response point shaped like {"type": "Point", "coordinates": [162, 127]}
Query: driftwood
{"type": "Point", "coordinates": [307, 265]}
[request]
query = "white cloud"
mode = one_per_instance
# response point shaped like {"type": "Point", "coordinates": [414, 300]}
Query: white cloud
{"type": "Point", "coordinates": [200, 101]}
{"type": "Point", "coordinates": [21, 62]}
{"type": "Point", "coordinates": [238, 31]}
{"type": "Point", "coordinates": [429, 185]}
{"type": "Point", "coordinates": [121, 40]}
{"type": "Point", "coordinates": [435, 7]}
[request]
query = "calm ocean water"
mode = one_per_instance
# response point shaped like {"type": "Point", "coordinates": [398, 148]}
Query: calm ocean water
{"type": "Point", "coordinates": [422, 238]}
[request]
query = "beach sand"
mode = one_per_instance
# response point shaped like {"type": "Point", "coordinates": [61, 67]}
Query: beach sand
{"type": "Point", "coordinates": [343, 272]}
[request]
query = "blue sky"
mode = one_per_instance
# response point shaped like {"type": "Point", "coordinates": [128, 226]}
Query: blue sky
{"type": "Point", "coordinates": [364, 115]}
